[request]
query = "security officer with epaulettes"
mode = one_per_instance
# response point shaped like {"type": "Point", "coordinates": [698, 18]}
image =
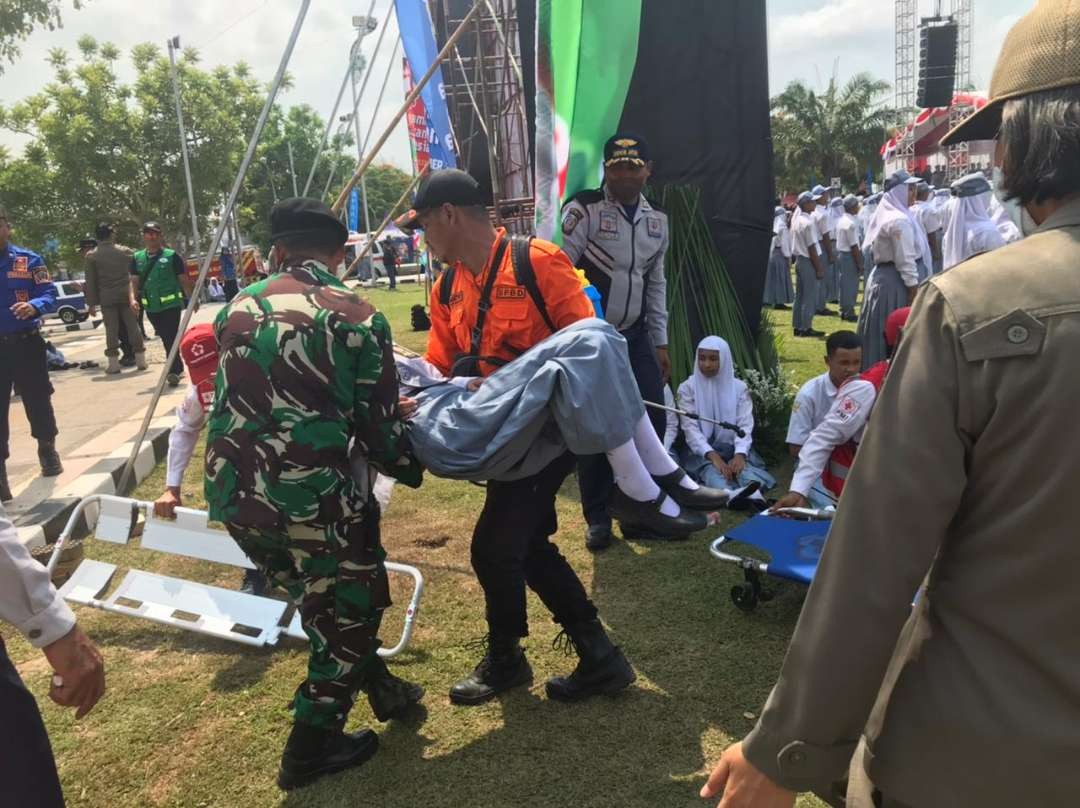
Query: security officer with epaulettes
{"type": "Point", "coordinates": [161, 285]}
{"type": "Point", "coordinates": [620, 240]}
{"type": "Point", "coordinates": [26, 292]}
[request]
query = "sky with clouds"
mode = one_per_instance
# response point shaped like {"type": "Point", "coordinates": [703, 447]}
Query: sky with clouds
{"type": "Point", "coordinates": [808, 40]}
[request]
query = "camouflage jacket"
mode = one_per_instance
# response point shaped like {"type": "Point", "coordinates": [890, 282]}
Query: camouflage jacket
{"type": "Point", "coordinates": [305, 366]}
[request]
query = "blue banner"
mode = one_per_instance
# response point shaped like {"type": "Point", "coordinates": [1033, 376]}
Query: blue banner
{"type": "Point", "coordinates": [354, 210]}
{"type": "Point", "coordinates": [418, 37]}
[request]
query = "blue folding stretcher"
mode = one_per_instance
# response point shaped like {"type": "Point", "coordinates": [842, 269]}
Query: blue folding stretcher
{"type": "Point", "coordinates": [794, 546]}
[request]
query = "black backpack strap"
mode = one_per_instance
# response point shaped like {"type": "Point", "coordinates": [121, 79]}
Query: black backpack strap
{"type": "Point", "coordinates": [526, 276]}
{"type": "Point", "coordinates": [446, 286]}
{"type": "Point", "coordinates": [469, 364]}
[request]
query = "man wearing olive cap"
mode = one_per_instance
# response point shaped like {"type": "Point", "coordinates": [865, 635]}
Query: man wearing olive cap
{"type": "Point", "coordinates": [305, 369]}
{"type": "Point", "coordinates": [972, 696]}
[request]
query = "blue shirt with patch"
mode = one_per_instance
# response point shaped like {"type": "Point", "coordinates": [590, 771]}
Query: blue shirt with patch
{"type": "Point", "coordinates": [24, 278]}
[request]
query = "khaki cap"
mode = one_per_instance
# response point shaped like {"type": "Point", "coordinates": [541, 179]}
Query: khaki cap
{"type": "Point", "coordinates": [1041, 52]}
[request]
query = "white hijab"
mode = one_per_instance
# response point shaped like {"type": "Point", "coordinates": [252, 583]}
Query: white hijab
{"type": "Point", "coordinates": [716, 397]}
{"type": "Point", "coordinates": [969, 217]}
{"type": "Point", "coordinates": [893, 207]}
{"type": "Point", "coordinates": [1005, 225]}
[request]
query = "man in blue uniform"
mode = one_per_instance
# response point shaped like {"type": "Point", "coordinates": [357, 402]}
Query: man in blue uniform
{"type": "Point", "coordinates": [26, 292]}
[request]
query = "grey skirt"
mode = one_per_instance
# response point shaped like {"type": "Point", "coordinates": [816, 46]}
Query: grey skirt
{"type": "Point", "coordinates": [885, 293]}
{"type": "Point", "coordinates": [778, 287]}
{"type": "Point", "coordinates": [575, 391]}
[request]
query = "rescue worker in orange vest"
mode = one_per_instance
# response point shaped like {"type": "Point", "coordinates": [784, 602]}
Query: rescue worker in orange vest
{"type": "Point", "coordinates": [830, 450]}
{"type": "Point", "coordinates": [493, 314]}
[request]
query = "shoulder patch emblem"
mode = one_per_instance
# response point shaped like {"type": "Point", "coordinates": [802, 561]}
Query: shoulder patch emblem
{"type": "Point", "coordinates": [609, 222]}
{"type": "Point", "coordinates": [41, 275]}
{"type": "Point", "coordinates": [654, 226]}
{"type": "Point", "coordinates": [847, 408]}
{"type": "Point", "coordinates": [571, 220]}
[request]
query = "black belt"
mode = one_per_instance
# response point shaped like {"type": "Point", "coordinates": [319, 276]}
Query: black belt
{"type": "Point", "coordinates": [18, 336]}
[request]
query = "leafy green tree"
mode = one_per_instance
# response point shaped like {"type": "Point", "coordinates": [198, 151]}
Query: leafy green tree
{"type": "Point", "coordinates": [19, 17]}
{"type": "Point", "coordinates": [837, 133]}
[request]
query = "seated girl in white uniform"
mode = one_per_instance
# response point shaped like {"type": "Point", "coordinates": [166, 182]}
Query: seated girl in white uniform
{"type": "Point", "coordinates": [715, 456]}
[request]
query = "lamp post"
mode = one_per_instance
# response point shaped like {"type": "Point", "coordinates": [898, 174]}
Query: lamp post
{"type": "Point", "coordinates": [174, 45]}
{"type": "Point", "coordinates": [363, 26]}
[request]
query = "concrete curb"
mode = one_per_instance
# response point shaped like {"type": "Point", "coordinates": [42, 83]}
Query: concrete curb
{"type": "Point", "coordinates": [43, 523]}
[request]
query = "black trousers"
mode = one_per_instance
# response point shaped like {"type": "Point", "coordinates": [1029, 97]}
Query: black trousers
{"type": "Point", "coordinates": [512, 548]}
{"type": "Point", "coordinates": [231, 289]}
{"type": "Point", "coordinates": [22, 363]}
{"type": "Point", "coordinates": [27, 768]}
{"type": "Point", "coordinates": [166, 324]}
{"type": "Point", "coordinates": [594, 472]}
{"type": "Point", "coordinates": [125, 344]}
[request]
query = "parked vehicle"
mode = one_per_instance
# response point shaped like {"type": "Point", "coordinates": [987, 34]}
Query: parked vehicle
{"type": "Point", "coordinates": [70, 302]}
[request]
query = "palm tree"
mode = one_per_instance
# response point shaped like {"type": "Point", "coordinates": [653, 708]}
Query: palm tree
{"type": "Point", "coordinates": [837, 133]}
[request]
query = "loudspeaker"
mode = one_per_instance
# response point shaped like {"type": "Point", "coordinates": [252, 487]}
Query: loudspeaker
{"type": "Point", "coordinates": [937, 62]}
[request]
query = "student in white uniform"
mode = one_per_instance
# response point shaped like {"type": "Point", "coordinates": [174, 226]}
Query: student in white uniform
{"type": "Point", "coordinates": [832, 274]}
{"type": "Point", "coordinates": [778, 290]}
{"type": "Point", "coordinates": [809, 266]}
{"type": "Point", "coordinates": [928, 215]}
{"type": "Point", "coordinates": [714, 456]}
{"type": "Point", "coordinates": [824, 225]}
{"type": "Point", "coordinates": [843, 358]}
{"type": "Point", "coordinates": [849, 258]}
{"type": "Point", "coordinates": [198, 350]}
{"type": "Point", "coordinates": [898, 243]}
{"type": "Point", "coordinates": [971, 230]}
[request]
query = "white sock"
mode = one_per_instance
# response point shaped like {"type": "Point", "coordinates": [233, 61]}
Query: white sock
{"type": "Point", "coordinates": [652, 453]}
{"type": "Point", "coordinates": [634, 479]}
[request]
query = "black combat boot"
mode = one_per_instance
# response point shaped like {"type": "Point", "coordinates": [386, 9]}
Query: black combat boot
{"type": "Point", "coordinates": [313, 752]}
{"type": "Point", "coordinates": [49, 459]}
{"type": "Point", "coordinates": [389, 696]}
{"type": "Point", "coordinates": [504, 666]}
{"type": "Point", "coordinates": [5, 489]}
{"type": "Point", "coordinates": [601, 668]}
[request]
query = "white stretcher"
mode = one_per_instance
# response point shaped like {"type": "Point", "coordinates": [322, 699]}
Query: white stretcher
{"type": "Point", "coordinates": [204, 609]}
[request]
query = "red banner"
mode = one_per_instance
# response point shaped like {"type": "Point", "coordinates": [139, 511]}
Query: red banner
{"type": "Point", "coordinates": [417, 120]}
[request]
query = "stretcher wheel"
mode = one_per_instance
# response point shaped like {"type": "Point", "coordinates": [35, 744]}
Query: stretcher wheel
{"type": "Point", "coordinates": [744, 597]}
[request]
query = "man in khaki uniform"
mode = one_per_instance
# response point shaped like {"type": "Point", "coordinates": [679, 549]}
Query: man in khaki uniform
{"type": "Point", "coordinates": [107, 285]}
{"type": "Point", "coordinates": [966, 472]}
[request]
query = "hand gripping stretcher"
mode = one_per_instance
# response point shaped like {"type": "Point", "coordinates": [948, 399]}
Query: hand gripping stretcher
{"type": "Point", "coordinates": [201, 608]}
{"type": "Point", "coordinates": [794, 545]}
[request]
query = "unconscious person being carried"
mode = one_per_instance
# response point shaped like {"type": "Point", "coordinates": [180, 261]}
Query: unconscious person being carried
{"type": "Point", "coordinates": [573, 391]}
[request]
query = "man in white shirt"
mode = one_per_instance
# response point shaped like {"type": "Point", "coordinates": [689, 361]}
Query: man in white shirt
{"type": "Point", "coordinates": [809, 265]}
{"type": "Point", "coordinates": [198, 349]}
{"type": "Point", "coordinates": [825, 231]}
{"type": "Point", "coordinates": [849, 258]}
{"type": "Point", "coordinates": [30, 603]}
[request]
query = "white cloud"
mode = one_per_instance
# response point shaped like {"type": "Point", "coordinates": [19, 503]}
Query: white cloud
{"type": "Point", "coordinates": [835, 23]}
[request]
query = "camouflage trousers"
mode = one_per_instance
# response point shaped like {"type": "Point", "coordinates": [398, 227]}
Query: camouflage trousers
{"type": "Point", "coordinates": [336, 577]}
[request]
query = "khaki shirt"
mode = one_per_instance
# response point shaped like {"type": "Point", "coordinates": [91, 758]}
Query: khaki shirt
{"type": "Point", "coordinates": [108, 268]}
{"type": "Point", "coordinates": [968, 471]}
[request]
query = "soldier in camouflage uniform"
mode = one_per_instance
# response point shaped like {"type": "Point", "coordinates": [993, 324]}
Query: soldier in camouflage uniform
{"type": "Point", "coordinates": [306, 368]}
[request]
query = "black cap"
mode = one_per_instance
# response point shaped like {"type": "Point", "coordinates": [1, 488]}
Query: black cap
{"type": "Point", "coordinates": [626, 148]}
{"type": "Point", "coordinates": [151, 227]}
{"type": "Point", "coordinates": [104, 230]}
{"type": "Point", "coordinates": [300, 215]}
{"type": "Point", "coordinates": [87, 243]}
{"type": "Point", "coordinates": [448, 186]}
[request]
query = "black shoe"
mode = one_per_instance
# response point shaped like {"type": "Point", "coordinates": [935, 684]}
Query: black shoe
{"type": "Point", "coordinates": [389, 696]}
{"type": "Point", "coordinates": [598, 537]}
{"type": "Point", "coordinates": [639, 533]}
{"type": "Point", "coordinates": [255, 583]}
{"type": "Point", "coordinates": [601, 668]}
{"type": "Point", "coordinates": [127, 361]}
{"type": "Point", "coordinates": [827, 313]}
{"type": "Point", "coordinates": [782, 307]}
{"type": "Point", "coordinates": [173, 379]}
{"type": "Point", "coordinates": [741, 500]}
{"type": "Point", "coordinates": [646, 516]}
{"type": "Point", "coordinates": [503, 667]}
{"type": "Point", "coordinates": [700, 499]}
{"type": "Point", "coordinates": [849, 318]}
{"type": "Point", "coordinates": [812, 333]}
{"type": "Point", "coordinates": [799, 332]}
{"type": "Point", "coordinates": [49, 459]}
{"type": "Point", "coordinates": [5, 489]}
{"type": "Point", "coordinates": [312, 752]}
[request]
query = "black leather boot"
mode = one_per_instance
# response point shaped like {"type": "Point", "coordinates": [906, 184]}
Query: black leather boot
{"type": "Point", "coordinates": [601, 668]}
{"type": "Point", "coordinates": [5, 489]}
{"type": "Point", "coordinates": [49, 459]}
{"type": "Point", "coordinates": [503, 667]}
{"type": "Point", "coordinates": [701, 499]}
{"type": "Point", "coordinates": [598, 537]}
{"type": "Point", "coordinates": [389, 696]}
{"type": "Point", "coordinates": [645, 518]}
{"type": "Point", "coordinates": [314, 752]}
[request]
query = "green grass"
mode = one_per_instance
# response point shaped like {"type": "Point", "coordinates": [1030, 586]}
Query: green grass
{"type": "Point", "coordinates": [190, 721]}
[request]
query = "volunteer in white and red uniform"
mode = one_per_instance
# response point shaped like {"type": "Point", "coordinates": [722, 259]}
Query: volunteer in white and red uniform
{"type": "Point", "coordinates": [830, 450]}
{"type": "Point", "coordinates": [198, 350]}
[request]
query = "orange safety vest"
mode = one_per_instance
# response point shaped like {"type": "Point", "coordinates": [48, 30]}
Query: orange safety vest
{"type": "Point", "coordinates": [843, 456]}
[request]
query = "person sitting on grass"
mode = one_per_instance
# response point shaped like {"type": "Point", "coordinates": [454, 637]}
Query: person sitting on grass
{"type": "Point", "coordinates": [716, 456]}
{"type": "Point", "coordinates": [829, 451]}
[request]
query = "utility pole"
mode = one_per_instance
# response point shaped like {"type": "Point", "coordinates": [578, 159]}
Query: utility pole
{"type": "Point", "coordinates": [174, 44]}
{"type": "Point", "coordinates": [364, 26]}
{"type": "Point", "coordinates": [292, 170]}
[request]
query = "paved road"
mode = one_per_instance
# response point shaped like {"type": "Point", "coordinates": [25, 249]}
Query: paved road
{"type": "Point", "coordinates": [87, 403]}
